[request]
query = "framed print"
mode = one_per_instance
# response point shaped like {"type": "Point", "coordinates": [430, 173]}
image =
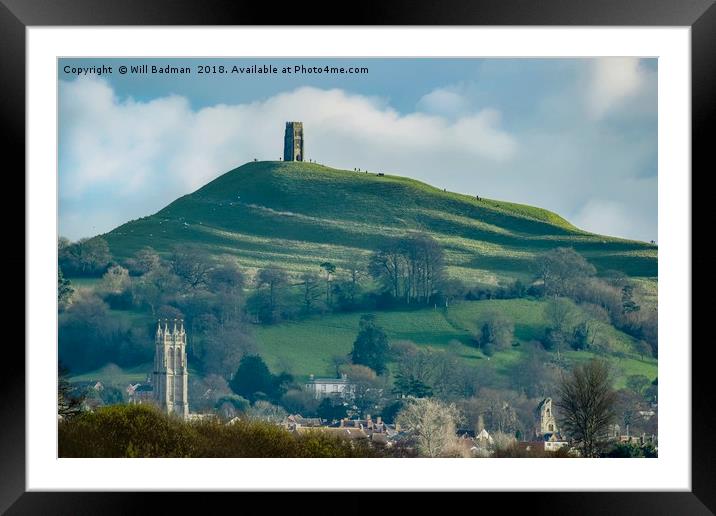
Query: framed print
{"type": "Point", "coordinates": [441, 243]}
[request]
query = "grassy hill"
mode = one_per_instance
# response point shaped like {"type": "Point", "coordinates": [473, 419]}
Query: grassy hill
{"type": "Point", "coordinates": [299, 214]}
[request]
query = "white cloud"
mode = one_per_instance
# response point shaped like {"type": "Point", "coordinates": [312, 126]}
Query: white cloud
{"type": "Point", "coordinates": [160, 149]}
{"type": "Point", "coordinates": [443, 101]}
{"type": "Point", "coordinates": [613, 81]}
{"type": "Point", "coordinates": [615, 217]}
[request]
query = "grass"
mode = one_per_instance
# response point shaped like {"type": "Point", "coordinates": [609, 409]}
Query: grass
{"type": "Point", "coordinates": [622, 367]}
{"type": "Point", "coordinates": [84, 283]}
{"type": "Point", "coordinates": [114, 375]}
{"type": "Point", "coordinates": [306, 347]}
{"type": "Point", "coordinates": [297, 215]}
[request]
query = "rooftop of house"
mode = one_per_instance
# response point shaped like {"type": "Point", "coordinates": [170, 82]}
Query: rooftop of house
{"type": "Point", "coordinates": [304, 421]}
{"type": "Point", "coordinates": [349, 432]}
{"type": "Point", "coordinates": [342, 380]}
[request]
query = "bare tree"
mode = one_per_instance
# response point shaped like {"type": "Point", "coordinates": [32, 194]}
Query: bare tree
{"type": "Point", "coordinates": [309, 289]}
{"type": "Point", "coordinates": [411, 268]}
{"type": "Point", "coordinates": [356, 271]}
{"type": "Point", "coordinates": [559, 313]}
{"type": "Point", "coordinates": [330, 270]}
{"type": "Point", "coordinates": [532, 374]}
{"type": "Point", "coordinates": [586, 405]}
{"type": "Point", "coordinates": [432, 424]}
{"type": "Point", "coordinates": [143, 261]}
{"type": "Point", "coordinates": [86, 256]}
{"type": "Point", "coordinates": [368, 388]}
{"type": "Point", "coordinates": [155, 286]}
{"type": "Point", "coordinates": [264, 411]}
{"type": "Point", "coordinates": [115, 280]}
{"type": "Point", "coordinates": [222, 348]}
{"type": "Point", "coordinates": [414, 362]}
{"type": "Point", "coordinates": [275, 279]}
{"type": "Point", "coordinates": [497, 332]}
{"type": "Point", "coordinates": [190, 266]}
{"type": "Point", "coordinates": [562, 270]}
{"type": "Point", "coordinates": [386, 265]}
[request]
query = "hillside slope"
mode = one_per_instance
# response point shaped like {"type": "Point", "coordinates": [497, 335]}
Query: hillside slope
{"type": "Point", "coordinates": [299, 214]}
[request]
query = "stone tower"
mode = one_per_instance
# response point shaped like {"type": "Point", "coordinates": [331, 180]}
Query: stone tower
{"type": "Point", "coordinates": [293, 142]}
{"type": "Point", "coordinates": [170, 377]}
{"type": "Point", "coordinates": [547, 422]}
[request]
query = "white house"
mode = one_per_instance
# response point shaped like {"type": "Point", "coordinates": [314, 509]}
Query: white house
{"type": "Point", "coordinates": [328, 387]}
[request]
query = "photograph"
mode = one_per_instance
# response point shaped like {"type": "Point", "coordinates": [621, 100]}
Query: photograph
{"type": "Point", "coordinates": [357, 257]}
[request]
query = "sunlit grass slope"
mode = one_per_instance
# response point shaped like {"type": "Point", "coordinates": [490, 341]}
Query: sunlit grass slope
{"type": "Point", "coordinates": [307, 347]}
{"type": "Point", "coordinates": [299, 214]}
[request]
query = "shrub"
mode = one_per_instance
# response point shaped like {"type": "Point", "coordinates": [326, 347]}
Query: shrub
{"type": "Point", "coordinates": [143, 431]}
{"type": "Point", "coordinates": [630, 451]}
{"type": "Point", "coordinates": [497, 332]}
{"type": "Point", "coordinates": [124, 431]}
{"type": "Point", "coordinates": [536, 451]}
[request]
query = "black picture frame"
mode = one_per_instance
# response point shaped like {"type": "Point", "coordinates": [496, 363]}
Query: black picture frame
{"type": "Point", "coordinates": [16, 15]}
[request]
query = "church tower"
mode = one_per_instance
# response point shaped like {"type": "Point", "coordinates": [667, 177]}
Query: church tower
{"type": "Point", "coordinates": [547, 421]}
{"type": "Point", "coordinates": [170, 377]}
{"type": "Point", "coordinates": [293, 142]}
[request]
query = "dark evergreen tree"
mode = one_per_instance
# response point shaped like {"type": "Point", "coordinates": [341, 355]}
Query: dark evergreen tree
{"type": "Point", "coordinates": [254, 381]}
{"type": "Point", "coordinates": [580, 336]}
{"type": "Point", "coordinates": [408, 385]}
{"type": "Point", "coordinates": [371, 347]}
{"type": "Point", "coordinates": [331, 410]}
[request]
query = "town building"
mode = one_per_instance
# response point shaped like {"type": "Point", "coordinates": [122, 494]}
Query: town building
{"type": "Point", "coordinates": [139, 393]}
{"type": "Point", "coordinates": [331, 387]}
{"type": "Point", "coordinates": [374, 430]}
{"type": "Point", "coordinates": [295, 421]}
{"type": "Point", "coordinates": [553, 442]}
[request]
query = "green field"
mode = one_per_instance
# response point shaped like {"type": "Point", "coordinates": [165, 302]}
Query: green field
{"type": "Point", "coordinates": [297, 215]}
{"type": "Point", "coordinates": [85, 283]}
{"type": "Point", "coordinates": [114, 375]}
{"type": "Point", "coordinates": [306, 347]}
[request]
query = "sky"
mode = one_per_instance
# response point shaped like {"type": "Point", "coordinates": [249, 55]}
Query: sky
{"type": "Point", "coordinates": [575, 136]}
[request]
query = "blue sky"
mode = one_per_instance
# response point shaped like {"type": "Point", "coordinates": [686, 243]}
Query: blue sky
{"type": "Point", "coordinates": [577, 136]}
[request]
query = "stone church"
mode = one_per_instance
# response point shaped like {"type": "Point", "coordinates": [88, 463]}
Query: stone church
{"type": "Point", "coordinates": [546, 430]}
{"type": "Point", "coordinates": [170, 378]}
{"type": "Point", "coordinates": [547, 422]}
